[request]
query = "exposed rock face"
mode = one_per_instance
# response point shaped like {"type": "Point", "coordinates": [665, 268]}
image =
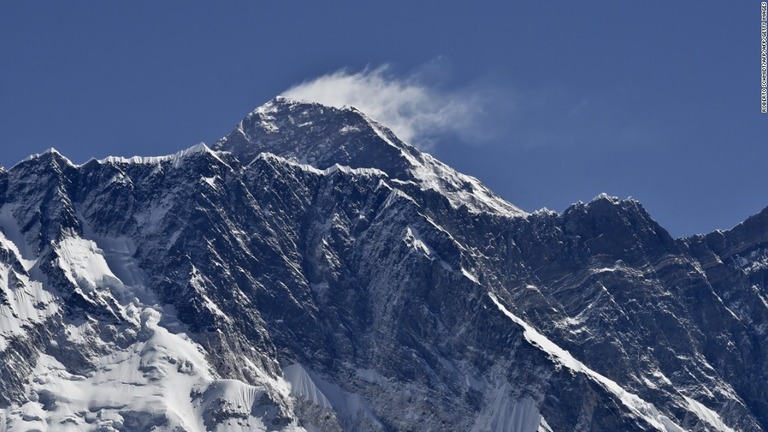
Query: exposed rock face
{"type": "Point", "coordinates": [313, 272]}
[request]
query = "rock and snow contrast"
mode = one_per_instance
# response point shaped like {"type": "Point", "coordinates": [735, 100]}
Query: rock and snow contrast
{"type": "Point", "coordinates": [312, 272]}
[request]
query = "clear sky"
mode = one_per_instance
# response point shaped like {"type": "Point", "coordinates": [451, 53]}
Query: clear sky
{"type": "Point", "coordinates": [546, 102]}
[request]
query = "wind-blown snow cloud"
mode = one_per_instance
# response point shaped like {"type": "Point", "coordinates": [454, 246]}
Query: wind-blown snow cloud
{"type": "Point", "coordinates": [416, 112]}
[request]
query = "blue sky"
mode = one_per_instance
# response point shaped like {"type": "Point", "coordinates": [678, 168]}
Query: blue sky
{"type": "Point", "coordinates": [548, 103]}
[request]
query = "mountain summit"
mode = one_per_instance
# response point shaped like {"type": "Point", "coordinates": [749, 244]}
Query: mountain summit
{"type": "Point", "coordinates": [312, 272]}
{"type": "Point", "coordinates": [323, 137]}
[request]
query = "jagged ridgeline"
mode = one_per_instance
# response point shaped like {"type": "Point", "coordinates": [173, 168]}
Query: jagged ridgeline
{"type": "Point", "coordinates": [312, 272]}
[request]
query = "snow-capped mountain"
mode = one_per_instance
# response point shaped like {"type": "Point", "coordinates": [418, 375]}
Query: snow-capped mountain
{"type": "Point", "coordinates": [312, 272]}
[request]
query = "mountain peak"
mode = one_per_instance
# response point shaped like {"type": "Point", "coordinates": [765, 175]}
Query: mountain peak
{"type": "Point", "coordinates": [605, 197]}
{"type": "Point", "coordinates": [322, 136]}
{"type": "Point", "coordinates": [50, 153]}
{"type": "Point", "coordinates": [317, 135]}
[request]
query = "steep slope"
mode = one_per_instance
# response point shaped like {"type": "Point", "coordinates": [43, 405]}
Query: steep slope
{"type": "Point", "coordinates": [322, 137]}
{"type": "Point", "coordinates": [105, 352]}
{"type": "Point", "coordinates": [313, 272]}
{"type": "Point", "coordinates": [614, 289]}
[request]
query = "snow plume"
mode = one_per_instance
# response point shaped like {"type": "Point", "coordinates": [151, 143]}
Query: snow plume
{"type": "Point", "coordinates": [415, 111]}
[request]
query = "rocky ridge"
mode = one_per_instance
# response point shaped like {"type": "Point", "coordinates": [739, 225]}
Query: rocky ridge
{"type": "Point", "coordinates": [310, 271]}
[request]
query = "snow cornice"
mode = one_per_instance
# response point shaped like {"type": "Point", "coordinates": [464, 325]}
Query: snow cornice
{"type": "Point", "coordinates": [175, 159]}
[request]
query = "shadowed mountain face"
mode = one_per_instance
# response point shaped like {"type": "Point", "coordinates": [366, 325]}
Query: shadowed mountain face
{"type": "Point", "coordinates": [313, 272]}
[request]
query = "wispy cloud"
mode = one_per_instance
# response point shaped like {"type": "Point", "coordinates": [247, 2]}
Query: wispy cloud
{"type": "Point", "coordinates": [488, 111]}
{"type": "Point", "coordinates": [416, 111]}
